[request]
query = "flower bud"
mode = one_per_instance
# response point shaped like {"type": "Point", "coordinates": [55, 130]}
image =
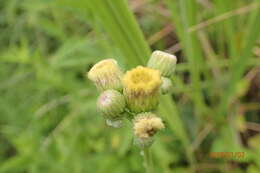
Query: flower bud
{"type": "Point", "coordinates": [145, 127]}
{"type": "Point", "coordinates": [116, 123]}
{"type": "Point", "coordinates": [106, 74]}
{"type": "Point", "coordinates": [166, 85]}
{"type": "Point", "coordinates": [141, 89]}
{"type": "Point", "coordinates": [162, 61]}
{"type": "Point", "coordinates": [111, 103]}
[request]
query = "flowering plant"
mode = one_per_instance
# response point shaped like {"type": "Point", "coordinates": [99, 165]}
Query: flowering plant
{"type": "Point", "coordinates": [135, 94]}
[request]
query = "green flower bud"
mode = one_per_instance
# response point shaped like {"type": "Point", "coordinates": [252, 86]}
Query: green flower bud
{"type": "Point", "coordinates": [116, 123]}
{"type": "Point", "coordinates": [145, 127]}
{"type": "Point", "coordinates": [141, 89]}
{"type": "Point", "coordinates": [166, 85]}
{"type": "Point", "coordinates": [164, 62]}
{"type": "Point", "coordinates": [106, 74]}
{"type": "Point", "coordinates": [111, 103]}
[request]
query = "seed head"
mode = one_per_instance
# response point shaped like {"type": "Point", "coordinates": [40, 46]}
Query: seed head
{"type": "Point", "coordinates": [146, 125]}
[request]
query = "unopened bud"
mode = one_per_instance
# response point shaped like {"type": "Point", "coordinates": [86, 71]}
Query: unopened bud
{"type": "Point", "coordinates": [106, 74]}
{"type": "Point", "coordinates": [166, 85]}
{"type": "Point", "coordinates": [164, 62]}
{"type": "Point", "coordinates": [141, 89]}
{"type": "Point", "coordinates": [111, 103]}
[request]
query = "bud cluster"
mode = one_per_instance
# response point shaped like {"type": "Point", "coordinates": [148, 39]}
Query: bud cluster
{"type": "Point", "coordinates": [135, 93]}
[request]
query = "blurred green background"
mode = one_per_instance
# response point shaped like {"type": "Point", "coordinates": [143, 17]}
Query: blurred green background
{"type": "Point", "coordinates": [48, 117]}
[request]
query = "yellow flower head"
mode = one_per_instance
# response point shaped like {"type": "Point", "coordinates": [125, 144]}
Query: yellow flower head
{"type": "Point", "coordinates": [142, 80]}
{"type": "Point", "coordinates": [106, 74]}
{"type": "Point", "coordinates": [141, 89]}
{"type": "Point", "coordinates": [146, 125]}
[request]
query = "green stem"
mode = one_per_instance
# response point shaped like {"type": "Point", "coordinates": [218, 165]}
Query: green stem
{"type": "Point", "coordinates": [148, 162]}
{"type": "Point", "coordinates": [168, 110]}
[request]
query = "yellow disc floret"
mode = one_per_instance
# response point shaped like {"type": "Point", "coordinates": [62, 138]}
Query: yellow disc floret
{"type": "Point", "coordinates": [142, 79]}
{"type": "Point", "coordinates": [141, 88]}
{"type": "Point", "coordinates": [106, 74]}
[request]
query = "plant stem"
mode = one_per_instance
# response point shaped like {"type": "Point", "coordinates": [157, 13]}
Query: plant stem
{"type": "Point", "coordinates": [148, 163]}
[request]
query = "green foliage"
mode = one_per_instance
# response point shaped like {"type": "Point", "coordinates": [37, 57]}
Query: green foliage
{"type": "Point", "coordinates": [48, 116]}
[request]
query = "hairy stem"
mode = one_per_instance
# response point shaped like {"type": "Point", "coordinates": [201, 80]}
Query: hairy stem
{"type": "Point", "coordinates": [148, 162]}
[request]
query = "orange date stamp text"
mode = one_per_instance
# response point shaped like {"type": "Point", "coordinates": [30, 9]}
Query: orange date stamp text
{"type": "Point", "coordinates": [227, 155]}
